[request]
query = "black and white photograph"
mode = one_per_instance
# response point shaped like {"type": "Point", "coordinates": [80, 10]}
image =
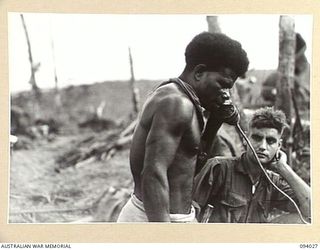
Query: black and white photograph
{"type": "Point", "coordinates": [160, 118]}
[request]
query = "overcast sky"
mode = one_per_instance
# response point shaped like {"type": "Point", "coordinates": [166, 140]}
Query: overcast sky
{"type": "Point", "coordinates": [91, 48]}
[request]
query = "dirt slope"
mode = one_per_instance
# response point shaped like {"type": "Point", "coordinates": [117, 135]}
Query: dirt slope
{"type": "Point", "coordinates": [35, 186]}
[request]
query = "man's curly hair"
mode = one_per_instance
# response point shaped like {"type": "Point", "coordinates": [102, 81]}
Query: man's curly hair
{"type": "Point", "coordinates": [216, 50]}
{"type": "Point", "coordinates": [269, 118]}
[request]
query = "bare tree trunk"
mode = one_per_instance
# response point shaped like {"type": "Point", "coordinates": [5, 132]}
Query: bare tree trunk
{"type": "Point", "coordinates": [135, 90]}
{"type": "Point", "coordinates": [56, 87]}
{"type": "Point", "coordinates": [34, 67]}
{"type": "Point", "coordinates": [287, 43]}
{"type": "Point", "coordinates": [213, 24]}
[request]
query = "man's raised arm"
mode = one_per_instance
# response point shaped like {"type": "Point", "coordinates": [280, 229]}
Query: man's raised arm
{"type": "Point", "coordinates": [299, 187]}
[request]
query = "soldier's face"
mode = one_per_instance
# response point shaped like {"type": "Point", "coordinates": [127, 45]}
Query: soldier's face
{"type": "Point", "coordinates": [266, 142]}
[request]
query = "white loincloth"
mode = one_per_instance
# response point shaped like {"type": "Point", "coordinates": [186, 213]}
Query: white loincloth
{"type": "Point", "coordinates": [133, 211]}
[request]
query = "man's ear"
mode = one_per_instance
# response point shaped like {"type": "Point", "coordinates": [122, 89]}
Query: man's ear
{"type": "Point", "coordinates": [280, 144]}
{"type": "Point", "coordinates": [198, 71]}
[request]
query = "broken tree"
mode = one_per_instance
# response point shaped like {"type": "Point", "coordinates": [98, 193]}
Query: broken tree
{"type": "Point", "coordinates": [34, 69]}
{"type": "Point", "coordinates": [135, 91]}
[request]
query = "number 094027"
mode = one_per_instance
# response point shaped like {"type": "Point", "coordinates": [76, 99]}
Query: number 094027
{"type": "Point", "coordinates": [308, 246]}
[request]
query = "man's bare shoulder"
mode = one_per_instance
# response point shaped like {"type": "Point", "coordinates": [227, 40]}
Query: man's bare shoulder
{"type": "Point", "coordinates": [171, 101]}
{"type": "Point", "coordinates": [167, 106]}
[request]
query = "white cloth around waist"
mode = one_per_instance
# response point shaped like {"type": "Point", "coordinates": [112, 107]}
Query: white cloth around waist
{"type": "Point", "coordinates": [134, 211]}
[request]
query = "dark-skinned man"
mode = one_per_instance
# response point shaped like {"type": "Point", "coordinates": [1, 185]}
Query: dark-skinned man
{"type": "Point", "coordinates": [166, 141]}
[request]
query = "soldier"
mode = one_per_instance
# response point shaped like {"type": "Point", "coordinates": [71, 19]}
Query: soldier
{"type": "Point", "coordinates": [237, 188]}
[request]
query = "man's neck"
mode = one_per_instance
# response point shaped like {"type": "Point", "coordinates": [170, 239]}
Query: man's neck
{"type": "Point", "coordinates": [186, 79]}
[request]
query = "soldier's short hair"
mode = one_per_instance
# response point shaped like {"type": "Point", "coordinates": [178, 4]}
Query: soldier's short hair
{"type": "Point", "coordinates": [268, 117]}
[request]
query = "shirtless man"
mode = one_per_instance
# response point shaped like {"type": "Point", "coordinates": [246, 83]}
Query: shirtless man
{"type": "Point", "coordinates": [166, 140]}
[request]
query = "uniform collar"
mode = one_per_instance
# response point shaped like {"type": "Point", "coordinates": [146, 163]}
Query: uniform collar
{"type": "Point", "coordinates": [243, 167]}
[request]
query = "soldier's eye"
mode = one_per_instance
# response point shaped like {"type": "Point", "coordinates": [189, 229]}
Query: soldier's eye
{"type": "Point", "coordinates": [271, 141]}
{"type": "Point", "coordinates": [256, 137]}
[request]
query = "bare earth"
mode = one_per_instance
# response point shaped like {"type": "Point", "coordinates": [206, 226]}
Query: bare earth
{"type": "Point", "coordinates": [40, 194]}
